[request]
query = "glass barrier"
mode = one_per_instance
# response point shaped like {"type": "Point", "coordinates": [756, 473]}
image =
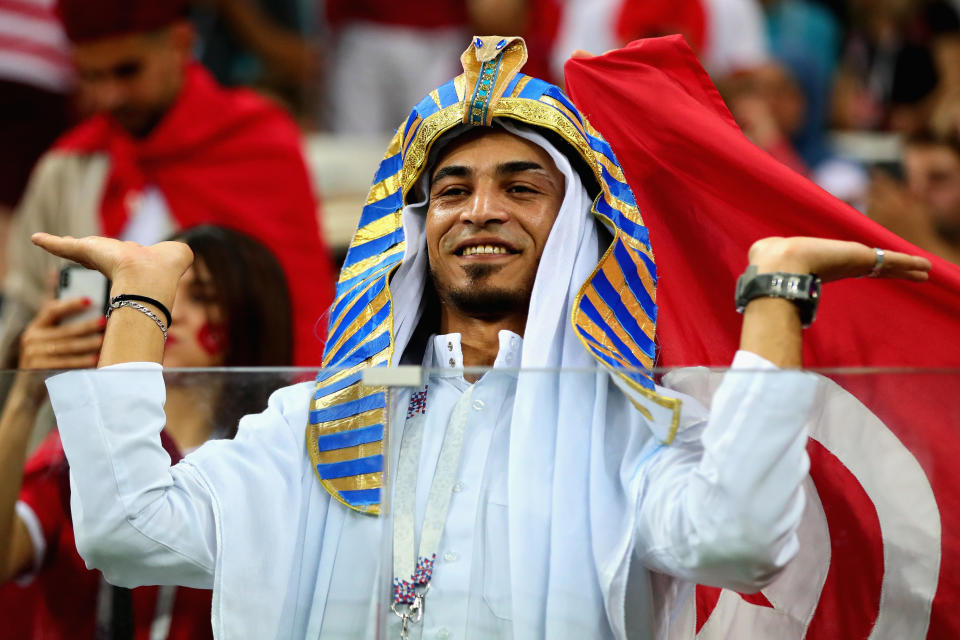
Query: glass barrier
{"type": "Point", "coordinates": [482, 503]}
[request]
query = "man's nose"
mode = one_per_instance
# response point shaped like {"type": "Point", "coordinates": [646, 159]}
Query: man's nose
{"type": "Point", "coordinates": [107, 95]}
{"type": "Point", "coordinates": [486, 206]}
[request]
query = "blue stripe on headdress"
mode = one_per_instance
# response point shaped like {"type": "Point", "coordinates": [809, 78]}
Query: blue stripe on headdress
{"type": "Point", "coordinates": [448, 94]}
{"type": "Point", "coordinates": [333, 470]}
{"type": "Point", "coordinates": [619, 189]}
{"type": "Point", "coordinates": [359, 336]}
{"type": "Point", "coordinates": [346, 285]}
{"type": "Point", "coordinates": [613, 300]}
{"type": "Point", "coordinates": [361, 497]}
{"type": "Point", "coordinates": [339, 385]}
{"type": "Point", "coordinates": [632, 278]}
{"type": "Point", "coordinates": [591, 312]}
{"type": "Point", "coordinates": [634, 230]}
{"type": "Point", "coordinates": [426, 107]}
{"type": "Point", "coordinates": [556, 94]}
{"type": "Point", "coordinates": [651, 267]}
{"type": "Point", "coordinates": [513, 85]}
{"type": "Point", "coordinates": [534, 89]}
{"type": "Point", "coordinates": [388, 167]}
{"type": "Point", "coordinates": [373, 247]}
{"type": "Point", "coordinates": [371, 348]}
{"type": "Point", "coordinates": [361, 302]}
{"type": "Point", "coordinates": [384, 207]}
{"type": "Point", "coordinates": [350, 438]}
{"type": "Point", "coordinates": [619, 368]}
{"type": "Point", "coordinates": [410, 120]}
{"type": "Point", "coordinates": [601, 146]}
{"type": "Point", "coordinates": [347, 409]}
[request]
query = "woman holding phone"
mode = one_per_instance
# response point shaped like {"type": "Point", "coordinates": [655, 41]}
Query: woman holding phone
{"type": "Point", "coordinates": [232, 309]}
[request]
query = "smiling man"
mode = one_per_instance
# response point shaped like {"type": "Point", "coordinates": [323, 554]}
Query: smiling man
{"type": "Point", "coordinates": [542, 502]}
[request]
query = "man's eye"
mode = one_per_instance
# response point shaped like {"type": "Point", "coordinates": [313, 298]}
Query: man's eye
{"type": "Point", "coordinates": [522, 188]}
{"type": "Point", "coordinates": [453, 191]}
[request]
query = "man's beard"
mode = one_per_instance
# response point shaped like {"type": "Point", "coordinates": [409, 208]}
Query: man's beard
{"type": "Point", "coordinates": [480, 300]}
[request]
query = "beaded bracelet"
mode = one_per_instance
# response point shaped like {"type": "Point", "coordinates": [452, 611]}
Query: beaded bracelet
{"type": "Point", "coordinates": [116, 303]}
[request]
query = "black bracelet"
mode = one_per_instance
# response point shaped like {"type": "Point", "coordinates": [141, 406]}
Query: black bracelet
{"type": "Point", "coordinates": [136, 298]}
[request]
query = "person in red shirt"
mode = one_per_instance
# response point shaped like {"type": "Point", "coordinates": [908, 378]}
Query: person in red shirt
{"type": "Point", "coordinates": [232, 309]}
{"type": "Point", "coordinates": [167, 148]}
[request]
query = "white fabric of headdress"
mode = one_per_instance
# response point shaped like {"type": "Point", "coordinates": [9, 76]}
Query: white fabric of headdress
{"type": "Point", "coordinates": [575, 441]}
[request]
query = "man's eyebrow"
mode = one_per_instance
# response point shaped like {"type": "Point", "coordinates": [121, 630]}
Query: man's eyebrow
{"type": "Point", "coordinates": [518, 166]}
{"type": "Point", "coordinates": [454, 170]}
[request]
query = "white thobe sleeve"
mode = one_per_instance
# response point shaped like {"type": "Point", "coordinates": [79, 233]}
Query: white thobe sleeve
{"type": "Point", "coordinates": [136, 518]}
{"type": "Point", "coordinates": [723, 508]}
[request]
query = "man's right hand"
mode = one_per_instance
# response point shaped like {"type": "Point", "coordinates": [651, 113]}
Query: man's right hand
{"type": "Point", "coordinates": [152, 271]}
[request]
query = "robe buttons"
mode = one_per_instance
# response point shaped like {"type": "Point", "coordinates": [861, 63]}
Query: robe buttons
{"type": "Point", "coordinates": [458, 487]}
{"type": "Point", "coordinates": [451, 556]}
{"type": "Point", "coordinates": [478, 405]}
{"type": "Point", "coordinates": [443, 634]}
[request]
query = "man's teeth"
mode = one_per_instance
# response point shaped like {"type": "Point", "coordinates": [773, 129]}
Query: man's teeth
{"type": "Point", "coordinates": [483, 249]}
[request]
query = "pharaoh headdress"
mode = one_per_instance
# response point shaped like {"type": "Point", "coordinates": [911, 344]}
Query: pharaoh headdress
{"type": "Point", "coordinates": [615, 314]}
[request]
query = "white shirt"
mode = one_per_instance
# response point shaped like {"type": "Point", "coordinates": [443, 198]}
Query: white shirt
{"type": "Point", "coordinates": [470, 594]}
{"type": "Point", "coordinates": [248, 517]}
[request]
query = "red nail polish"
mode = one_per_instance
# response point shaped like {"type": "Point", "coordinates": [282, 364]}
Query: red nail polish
{"type": "Point", "coordinates": [87, 302]}
{"type": "Point", "coordinates": [103, 322]}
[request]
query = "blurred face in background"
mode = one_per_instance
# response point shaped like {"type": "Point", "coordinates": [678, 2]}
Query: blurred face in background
{"type": "Point", "coordinates": [198, 335]}
{"type": "Point", "coordinates": [933, 175]}
{"type": "Point", "coordinates": [136, 77]}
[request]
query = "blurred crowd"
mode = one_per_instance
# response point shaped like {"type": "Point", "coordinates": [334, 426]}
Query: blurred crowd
{"type": "Point", "coordinates": [793, 72]}
{"type": "Point", "coordinates": [141, 119]}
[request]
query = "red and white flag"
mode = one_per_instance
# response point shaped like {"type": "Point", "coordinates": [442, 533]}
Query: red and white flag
{"type": "Point", "coordinates": [880, 538]}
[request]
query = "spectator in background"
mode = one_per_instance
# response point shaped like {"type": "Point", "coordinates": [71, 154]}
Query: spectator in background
{"type": "Point", "coordinates": [889, 76]}
{"type": "Point", "coordinates": [805, 38]}
{"type": "Point", "coordinates": [386, 55]}
{"type": "Point", "coordinates": [769, 107]}
{"type": "Point", "coordinates": [270, 45]}
{"type": "Point", "coordinates": [167, 148]}
{"type": "Point", "coordinates": [232, 309]}
{"type": "Point", "coordinates": [926, 208]}
{"type": "Point", "coordinates": [727, 35]}
{"type": "Point", "coordinates": [36, 78]}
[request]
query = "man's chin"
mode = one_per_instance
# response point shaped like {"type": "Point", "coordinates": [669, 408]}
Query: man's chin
{"type": "Point", "coordinates": [486, 301]}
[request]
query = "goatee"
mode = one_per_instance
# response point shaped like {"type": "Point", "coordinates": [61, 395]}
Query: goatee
{"type": "Point", "coordinates": [480, 300]}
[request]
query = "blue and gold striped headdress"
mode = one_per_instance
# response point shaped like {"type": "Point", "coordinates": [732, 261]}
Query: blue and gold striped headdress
{"type": "Point", "coordinates": [615, 311]}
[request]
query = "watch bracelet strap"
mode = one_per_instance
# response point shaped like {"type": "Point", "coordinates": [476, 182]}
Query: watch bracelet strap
{"type": "Point", "coordinates": [801, 289]}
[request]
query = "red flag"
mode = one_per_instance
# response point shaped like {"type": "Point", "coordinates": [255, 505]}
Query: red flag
{"type": "Point", "coordinates": [887, 483]}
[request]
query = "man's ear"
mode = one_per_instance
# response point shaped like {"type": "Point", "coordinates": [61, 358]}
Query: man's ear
{"type": "Point", "coordinates": [182, 37]}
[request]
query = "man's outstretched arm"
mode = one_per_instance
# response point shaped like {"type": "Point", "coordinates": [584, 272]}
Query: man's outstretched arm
{"type": "Point", "coordinates": [771, 326]}
{"type": "Point", "coordinates": [723, 509]}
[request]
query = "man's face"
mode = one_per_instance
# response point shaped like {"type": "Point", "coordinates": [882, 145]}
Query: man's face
{"type": "Point", "coordinates": [933, 174]}
{"type": "Point", "coordinates": [493, 199]}
{"type": "Point", "coordinates": [135, 77]}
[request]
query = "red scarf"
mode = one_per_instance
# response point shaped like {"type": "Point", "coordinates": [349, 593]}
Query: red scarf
{"type": "Point", "coordinates": [232, 159]}
{"type": "Point", "coordinates": [706, 193]}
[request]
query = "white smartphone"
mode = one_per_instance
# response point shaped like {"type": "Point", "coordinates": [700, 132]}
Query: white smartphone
{"type": "Point", "coordinates": [80, 282]}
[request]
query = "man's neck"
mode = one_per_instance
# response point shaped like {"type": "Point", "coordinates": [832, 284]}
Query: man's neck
{"type": "Point", "coordinates": [479, 337]}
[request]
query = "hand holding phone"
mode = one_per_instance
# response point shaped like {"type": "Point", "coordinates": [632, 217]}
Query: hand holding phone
{"type": "Point", "coordinates": [78, 282]}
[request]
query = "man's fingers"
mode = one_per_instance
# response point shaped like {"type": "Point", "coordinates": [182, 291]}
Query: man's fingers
{"type": "Point", "coordinates": [62, 246]}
